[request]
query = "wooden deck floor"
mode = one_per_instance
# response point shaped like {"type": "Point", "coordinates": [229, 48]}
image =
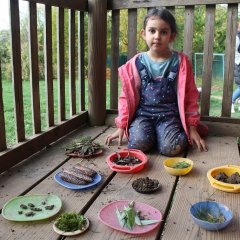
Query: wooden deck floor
{"type": "Point", "coordinates": [35, 175]}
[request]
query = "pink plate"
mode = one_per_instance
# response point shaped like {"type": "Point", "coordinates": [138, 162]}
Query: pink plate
{"type": "Point", "coordinates": [108, 216]}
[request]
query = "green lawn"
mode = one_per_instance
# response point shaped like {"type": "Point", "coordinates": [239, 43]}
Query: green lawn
{"type": "Point", "coordinates": [215, 107]}
{"type": "Point", "coordinates": [216, 98]}
{"type": "Point", "coordinates": [9, 106]}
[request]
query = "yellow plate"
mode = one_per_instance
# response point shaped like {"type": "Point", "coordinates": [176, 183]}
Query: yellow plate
{"type": "Point", "coordinates": [170, 162]}
{"type": "Point", "coordinates": [228, 170]}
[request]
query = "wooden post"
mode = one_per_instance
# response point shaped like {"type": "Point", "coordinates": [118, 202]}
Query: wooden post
{"type": "Point", "coordinates": [97, 26]}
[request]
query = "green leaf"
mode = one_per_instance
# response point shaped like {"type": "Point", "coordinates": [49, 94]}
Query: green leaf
{"type": "Point", "coordinates": [137, 220]}
{"type": "Point", "coordinates": [130, 213]}
{"type": "Point", "coordinates": [120, 217]}
{"type": "Point", "coordinates": [147, 222]}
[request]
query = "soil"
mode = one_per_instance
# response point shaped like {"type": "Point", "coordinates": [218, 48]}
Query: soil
{"type": "Point", "coordinates": [145, 185]}
{"type": "Point", "coordinates": [126, 161]}
{"type": "Point", "coordinates": [233, 179]}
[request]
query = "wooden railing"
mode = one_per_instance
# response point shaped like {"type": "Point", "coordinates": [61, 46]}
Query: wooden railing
{"type": "Point", "coordinates": [97, 45]}
{"type": "Point", "coordinates": [56, 129]}
{"type": "Point", "coordinates": [232, 13]}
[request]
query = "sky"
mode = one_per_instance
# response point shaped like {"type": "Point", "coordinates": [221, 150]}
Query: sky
{"type": "Point", "coordinates": [4, 12]}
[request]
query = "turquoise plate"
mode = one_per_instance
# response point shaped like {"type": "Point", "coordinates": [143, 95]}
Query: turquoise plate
{"type": "Point", "coordinates": [11, 209]}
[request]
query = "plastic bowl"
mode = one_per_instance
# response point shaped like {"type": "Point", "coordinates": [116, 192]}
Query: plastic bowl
{"type": "Point", "coordinates": [228, 170]}
{"type": "Point", "coordinates": [170, 162]}
{"type": "Point", "coordinates": [125, 168]}
{"type": "Point", "coordinates": [214, 208]}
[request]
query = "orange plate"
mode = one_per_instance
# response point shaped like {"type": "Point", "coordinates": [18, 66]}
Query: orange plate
{"type": "Point", "coordinates": [127, 169]}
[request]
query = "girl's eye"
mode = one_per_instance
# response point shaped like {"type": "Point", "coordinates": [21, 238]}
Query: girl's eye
{"type": "Point", "coordinates": [163, 32]}
{"type": "Point", "coordinates": [152, 31]}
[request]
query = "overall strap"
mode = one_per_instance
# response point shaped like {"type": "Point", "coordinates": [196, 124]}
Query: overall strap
{"type": "Point", "coordinates": [173, 73]}
{"type": "Point", "coordinates": [144, 75]}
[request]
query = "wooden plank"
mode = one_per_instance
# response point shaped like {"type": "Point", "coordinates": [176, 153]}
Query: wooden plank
{"type": "Point", "coordinates": [72, 63]}
{"type": "Point", "coordinates": [81, 63]}
{"type": "Point", "coordinates": [3, 143]}
{"type": "Point", "coordinates": [223, 129]}
{"type": "Point", "coordinates": [221, 119]}
{"type": "Point", "coordinates": [25, 149]}
{"type": "Point", "coordinates": [48, 65]}
{"type": "Point", "coordinates": [97, 31]}
{"type": "Point", "coordinates": [114, 59]}
{"type": "Point", "coordinates": [17, 70]}
{"type": "Point", "coordinates": [132, 32]}
{"type": "Point", "coordinates": [71, 4]}
{"type": "Point", "coordinates": [40, 165]}
{"type": "Point", "coordinates": [61, 64]}
{"type": "Point", "coordinates": [73, 201]}
{"type": "Point", "coordinates": [120, 187]}
{"type": "Point", "coordinates": [207, 59]}
{"type": "Point", "coordinates": [188, 31]}
{"type": "Point", "coordinates": [232, 17]}
{"type": "Point", "coordinates": [172, 11]}
{"type": "Point", "coordinates": [195, 187]}
{"type": "Point", "coordinates": [34, 68]}
{"type": "Point", "coordinates": [130, 4]}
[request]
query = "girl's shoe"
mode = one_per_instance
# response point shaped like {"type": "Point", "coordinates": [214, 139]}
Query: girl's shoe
{"type": "Point", "coordinates": [232, 109]}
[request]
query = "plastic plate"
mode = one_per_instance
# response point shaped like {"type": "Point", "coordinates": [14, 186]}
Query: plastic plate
{"type": "Point", "coordinates": [11, 209]}
{"type": "Point", "coordinates": [107, 215]}
{"type": "Point", "coordinates": [97, 178]}
{"type": "Point", "coordinates": [124, 168]}
{"type": "Point", "coordinates": [228, 170]}
{"type": "Point", "coordinates": [57, 230]}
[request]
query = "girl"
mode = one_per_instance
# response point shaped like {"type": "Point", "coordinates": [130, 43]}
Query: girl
{"type": "Point", "coordinates": [158, 103]}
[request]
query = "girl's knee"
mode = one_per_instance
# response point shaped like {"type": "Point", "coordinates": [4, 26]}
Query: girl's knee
{"type": "Point", "coordinates": [171, 152]}
{"type": "Point", "coordinates": [144, 146]}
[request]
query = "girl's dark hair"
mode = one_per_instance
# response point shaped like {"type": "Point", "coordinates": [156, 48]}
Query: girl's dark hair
{"type": "Point", "coordinates": [163, 14]}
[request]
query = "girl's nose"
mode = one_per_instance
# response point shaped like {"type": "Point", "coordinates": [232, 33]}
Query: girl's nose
{"type": "Point", "coordinates": [157, 34]}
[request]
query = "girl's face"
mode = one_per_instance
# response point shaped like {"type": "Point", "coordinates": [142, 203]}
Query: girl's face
{"type": "Point", "coordinates": [158, 35]}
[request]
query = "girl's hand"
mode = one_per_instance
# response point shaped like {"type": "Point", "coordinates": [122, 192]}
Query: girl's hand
{"type": "Point", "coordinates": [196, 139]}
{"type": "Point", "coordinates": [117, 134]}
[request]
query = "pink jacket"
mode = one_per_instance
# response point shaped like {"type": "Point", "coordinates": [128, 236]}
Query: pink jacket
{"type": "Point", "coordinates": [186, 90]}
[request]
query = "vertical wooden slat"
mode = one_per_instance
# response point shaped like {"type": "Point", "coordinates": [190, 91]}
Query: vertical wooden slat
{"type": "Point", "coordinates": [172, 11]}
{"type": "Point", "coordinates": [232, 15]}
{"type": "Point", "coordinates": [3, 144]}
{"type": "Point", "coordinates": [188, 31]}
{"type": "Point", "coordinates": [207, 60]}
{"type": "Point", "coordinates": [81, 55]}
{"type": "Point", "coordinates": [48, 65]}
{"type": "Point", "coordinates": [132, 32]}
{"type": "Point", "coordinates": [17, 70]}
{"type": "Point", "coordinates": [114, 60]}
{"type": "Point", "coordinates": [97, 29]}
{"type": "Point", "coordinates": [60, 68]}
{"type": "Point", "coordinates": [34, 69]}
{"type": "Point", "coordinates": [72, 63]}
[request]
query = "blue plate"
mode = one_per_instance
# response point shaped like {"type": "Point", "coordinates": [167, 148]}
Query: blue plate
{"type": "Point", "coordinates": [214, 208]}
{"type": "Point", "coordinates": [97, 178]}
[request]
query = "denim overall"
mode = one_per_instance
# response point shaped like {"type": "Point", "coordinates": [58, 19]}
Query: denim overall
{"type": "Point", "coordinates": [157, 121]}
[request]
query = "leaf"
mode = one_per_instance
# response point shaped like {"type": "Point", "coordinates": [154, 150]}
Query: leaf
{"type": "Point", "coordinates": [130, 213]}
{"type": "Point", "coordinates": [120, 217]}
{"type": "Point", "coordinates": [137, 220]}
{"type": "Point", "coordinates": [147, 222]}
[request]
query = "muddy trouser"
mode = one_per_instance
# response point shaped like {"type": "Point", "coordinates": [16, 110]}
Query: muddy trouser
{"type": "Point", "coordinates": [166, 134]}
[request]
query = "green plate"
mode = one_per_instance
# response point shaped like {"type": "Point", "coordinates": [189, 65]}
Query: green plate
{"type": "Point", "coordinates": [11, 209]}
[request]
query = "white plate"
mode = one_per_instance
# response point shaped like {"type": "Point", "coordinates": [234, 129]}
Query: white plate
{"type": "Point", "coordinates": [71, 233]}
